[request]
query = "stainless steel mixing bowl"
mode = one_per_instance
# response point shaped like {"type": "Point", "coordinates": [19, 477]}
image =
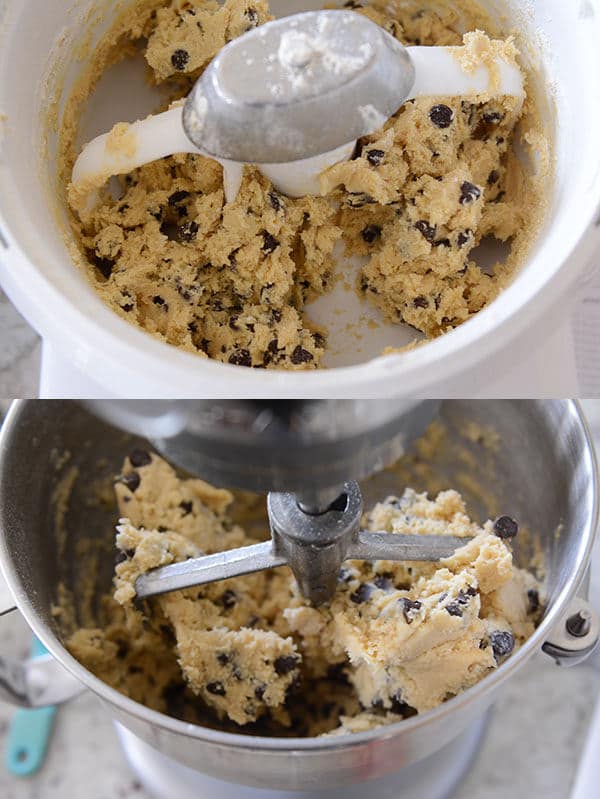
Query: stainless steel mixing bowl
{"type": "Point", "coordinates": [543, 473]}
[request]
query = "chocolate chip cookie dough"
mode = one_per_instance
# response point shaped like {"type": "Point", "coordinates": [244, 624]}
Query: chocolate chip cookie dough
{"type": "Point", "coordinates": [231, 281]}
{"type": "Point", "coordinates": [397, 638]}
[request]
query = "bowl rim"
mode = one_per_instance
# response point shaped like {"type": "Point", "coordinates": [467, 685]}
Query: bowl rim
{"type": "Point", "coordinates": [343, 741]}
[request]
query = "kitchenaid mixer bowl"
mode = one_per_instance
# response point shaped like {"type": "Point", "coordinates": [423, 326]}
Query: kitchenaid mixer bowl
{"type": "Point", "coordinates": [542, 471]}
{"type": "Point", "coordinates": [36, 267]}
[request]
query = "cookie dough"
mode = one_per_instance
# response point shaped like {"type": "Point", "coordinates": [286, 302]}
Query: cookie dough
{"type": "Point", "coordinates": [397, 638]}
{"type": "Point", "coordinates": [230, 281]}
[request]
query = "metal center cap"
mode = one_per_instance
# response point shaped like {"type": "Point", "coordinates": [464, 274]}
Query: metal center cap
{"type": "Point", "coordinates": [296, 58]}
{"type": "Point", "coordinates": [298, 87]}
{"type": "Point", "coordinates": [315, 545]}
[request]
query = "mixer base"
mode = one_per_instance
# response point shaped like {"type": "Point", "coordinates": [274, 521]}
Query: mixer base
{"type": "Point", "coordinates": [435, 777]}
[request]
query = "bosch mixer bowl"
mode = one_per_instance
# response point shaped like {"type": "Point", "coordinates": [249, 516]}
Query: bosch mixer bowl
{"type": "Point", "coordinates": [36, 268]}
{"type": "Point", "coordinates": [542, 472]}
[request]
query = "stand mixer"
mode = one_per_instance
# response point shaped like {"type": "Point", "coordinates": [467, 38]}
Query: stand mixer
{"type": "Point", "coordinates": [315, 514]}
{"type": "Point", "coordinates": [424, 755]}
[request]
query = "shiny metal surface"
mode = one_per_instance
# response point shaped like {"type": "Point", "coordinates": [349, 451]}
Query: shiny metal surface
{"type": "Point", "coordinates": [208, 569]}
{"type": "Point", "coordinates": [542, 473]}
{"type": "Point", "coordinates": [308, 447]}
{"type": "Point", "coordinates": [568, 648]}
{"type": "Point", "coordinates": [269, 96]}
{"type": "Point", "coordinates": [313, 545]}
{"type": "Point", "coordinates": [377, 546]}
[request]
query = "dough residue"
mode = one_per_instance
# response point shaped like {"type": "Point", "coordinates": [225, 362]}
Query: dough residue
{"type": "Point", "coordinates": [398, 638]}
{"type": "Point", "coordinates": [231, 281]}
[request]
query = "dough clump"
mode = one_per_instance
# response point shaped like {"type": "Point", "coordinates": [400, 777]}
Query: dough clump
{"type": "Point", "coordinates": [231, 281]}
{"type": "Point", "coordinates": [397, 638]}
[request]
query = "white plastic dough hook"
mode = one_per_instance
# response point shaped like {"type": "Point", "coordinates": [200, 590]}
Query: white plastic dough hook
{"type": "Point", "coordinates": [292, 97]}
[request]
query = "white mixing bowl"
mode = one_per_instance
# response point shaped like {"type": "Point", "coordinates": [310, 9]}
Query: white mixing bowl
{"type": "Point", "coordinates": [38, 45]}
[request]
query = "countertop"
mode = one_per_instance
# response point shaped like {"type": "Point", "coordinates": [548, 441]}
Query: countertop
{"type": "Point", "coordinates": [19, 353]}
{"type": "Point", "coordinates": [531, 749]}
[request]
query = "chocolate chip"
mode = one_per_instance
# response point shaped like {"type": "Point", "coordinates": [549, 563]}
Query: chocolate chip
{"type": "Point", "coordinates": [469, 192]}
{"type": "Point", "coordinates": [534, 600]}
{"type": "Point", "coordinates": [158, 300]}
{"type": "Point", "coordinates": [128, 307]}
{"type": "Point", "coordinates": [229, 599]}
{"type": "Point", "coordinates": [420, 302]}
{"type": "Point", "coordinates": [193, 327]}
{"type": "Point", "coordinates": [223, 658]}
{"type": "Point", "coordinates": [300, 355]}
{"type": "Point", "coordinates": [362, 593]}
{"type": "Point", "coordinates": [275, 201]}
{"type": "Point", "coordinates": [285, 663]}
{"type": "Point", "coordinates": [454, 608]}
{"type": "Point", "coordinates": [233, 322]}
{"type": "Point", "coordinates": [493, 117]}
{"type": "Point", "coordinates": [408, 606]}
{"type": "Point", "coordinates": [384, 582]}
{"type": "Point", "coordinates": [344, 575]}
{"type": "Point", "coordinates": [252, 17]}
{"type": "Point", "coordinates": [241, 358]}
{"type": "Point", "coordinates": [375, 157]}
{"type": "Point", "coordinates": [276, 315]}
{"type": "Point", "coordinates": [400, 707]}
{"type": "Point", "coordinates": [426, 229]}
{"type": "Point", "coordinates": [104, 266]}
{"type": "Point", "coordinates": [259, 691]}
{"type": "Point", "coordinates": [188, 231]}
{"type": "Point", "coordinates": [493, 177]}
{"type": "Point", "coordinates": [441, 243]}
{"type": "Point", "coordinates": [270, 243]}
{"type": "Point", "coordinates": [502, 643]}
{"type": "Point", "coordinates": [370, 233]}
{"type": "Point", "coordinates": [139, 457]}
{"type": "Point", "coordinates": [505, 527]}
{"type": "Point", "coordinates": [352, 4]}
{"type": "Point", "coordinates": [168, 634]}
{"type": "Point", "coordinates": [131, 480]}
{"type": "Point", "coordinates": [217, 688]}
{"type": "Point", "coordinates": [462, 598]}
{"type": "Point", "coordinates": [463, 237]}
{"type": "Point", "coordinates": [180, 59]}
{"type": "Point", "coordinates": [186, 507]}
{"type": "Point", "coordinates": [177, 197]}
{"type": "Point", "coordinates": [441, 116]}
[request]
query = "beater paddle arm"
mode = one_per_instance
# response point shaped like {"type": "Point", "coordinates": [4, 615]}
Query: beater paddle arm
{"type": "Point", "coordinates": [313, 545]}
